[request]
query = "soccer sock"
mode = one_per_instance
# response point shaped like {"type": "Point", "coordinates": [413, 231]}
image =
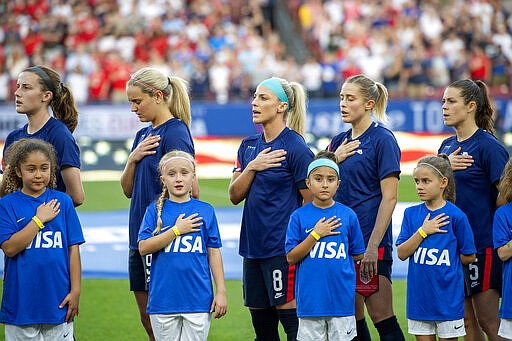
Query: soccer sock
{"type": "Point", "coordinates": [389, 330]}
{"type": "Point", "coordinates": [290, 322]}
{"type": "Point", "coordinates": [265, 323]}
{"type": "Point", "coordinates": [363, 333]}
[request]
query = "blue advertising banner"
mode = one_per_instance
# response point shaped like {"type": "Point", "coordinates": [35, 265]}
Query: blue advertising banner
{"type": "Point", "coordinates": [116, 122]}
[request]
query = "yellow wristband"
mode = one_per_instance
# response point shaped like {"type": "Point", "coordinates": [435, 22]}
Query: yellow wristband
{"type": "Point", "coordinates": [315, 235]}
{"type": "Point", "coordinates": [422, 233]}
{"type": "Point", "coordinates": [175, 230]}
{"type": "Point", "coordinates": [38, 222]}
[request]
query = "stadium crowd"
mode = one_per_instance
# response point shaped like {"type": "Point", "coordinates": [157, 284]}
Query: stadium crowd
{"type": "Point", "coordinates": [225, 48]}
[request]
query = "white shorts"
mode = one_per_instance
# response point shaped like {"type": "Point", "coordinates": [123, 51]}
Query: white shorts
{"type": "Point", "coordinates": [445, 329]}
{"type": "Point", "coordinates": [505, 330]}
{"type": "Point", "coordinates": [39, 332]}
{"type": "Point", "coordinates": [327, 328]}
{"type": "Point", "coordinates": [186, 327]}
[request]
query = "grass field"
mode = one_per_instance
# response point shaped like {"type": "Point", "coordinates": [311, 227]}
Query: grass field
{"type": "Point", "coordinates": [107, 307]}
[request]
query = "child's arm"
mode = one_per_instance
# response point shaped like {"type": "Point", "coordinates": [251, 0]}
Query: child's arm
{"type": "Point", "coordinates": [467, 259]}
{"type": "Point", "coordinates": [75, 278]}
{"type": "Point", "coordinates": [358, 257]}
{"type": "Point", "coordinates": [21, 239]}
{"type": "Point", "coordinates": [505, 251]}
{"type": "Point", "coordinates": [219, 304]}
{"type": "Point", "coordinates": [182, 226]}
{"type": "Point", "coordinates": [407, 248]}
{"type": "Point", "coordinates": [322, 228]}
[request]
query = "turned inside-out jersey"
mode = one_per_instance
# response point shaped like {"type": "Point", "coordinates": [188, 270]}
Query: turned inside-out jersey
{"type": "Point", "coordinates": [377, 157]}
{"type": "Point", "coordinates": [474, 187]}
{"type": "Point", "coordinates": [174, 135]}
{"type": "Point", "coordinates": [273, 195]}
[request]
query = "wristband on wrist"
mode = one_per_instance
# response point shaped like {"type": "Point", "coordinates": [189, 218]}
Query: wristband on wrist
{"type": "Point", "coordinates": [422, 233]}
{"type": "Point", "coordinates": [315, 235]}
{"type": "Point", "coordinates": [175, 230]}
{"type": "Point", "coordinates": [38, 222]}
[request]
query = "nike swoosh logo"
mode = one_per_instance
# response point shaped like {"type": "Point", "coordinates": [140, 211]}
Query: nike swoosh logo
{"type": "Point", "coordinates": [66, 335]}
{"type": "Point", "coordinates": [20, 219]}
{"type": "Point", "coordinates": [311, 229]}
{"type": "Point", "coordinates": [458, 327]}
{"type": "Point", "coordinates": [350, 331]}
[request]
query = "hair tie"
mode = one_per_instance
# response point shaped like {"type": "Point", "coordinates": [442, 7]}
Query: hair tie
{"type": "Point", "coordinates": [323, 162]}
{"type": "Point", "coordinates": [277, 89]}
{"type": "Point", "coordinates": [431, 166]}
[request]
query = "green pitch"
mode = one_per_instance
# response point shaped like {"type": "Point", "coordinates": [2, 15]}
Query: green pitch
{"type": "Point", "coordinates": [107, 307]}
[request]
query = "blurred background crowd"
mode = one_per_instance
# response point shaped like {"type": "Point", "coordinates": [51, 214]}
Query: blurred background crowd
{"type": "Point", "coordinates": [224, 48]}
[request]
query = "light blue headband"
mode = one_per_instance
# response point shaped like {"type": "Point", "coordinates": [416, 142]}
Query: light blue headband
{"type": "Point", "coordinates": [323, 162]}
{"type": "Point", "coordinates": [275, 86]}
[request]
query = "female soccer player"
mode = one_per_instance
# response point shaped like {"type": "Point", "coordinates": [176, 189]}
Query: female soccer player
{"type": "Point", "coordinates": [39, 88]}
{"type": "Point", "coordinates": [163, 101]}
{"type": "Point", "coordinates": [369, 160]}
{"type": "Point", "coordinates": [269, 174]}
{"type": "Point", "coordinates": [478, 160]}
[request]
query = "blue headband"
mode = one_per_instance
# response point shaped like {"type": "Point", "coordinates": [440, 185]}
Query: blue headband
{"type": "Point", "coordinates": [323, 162]}
{"type": "Point", "coordinates": [275, 86]}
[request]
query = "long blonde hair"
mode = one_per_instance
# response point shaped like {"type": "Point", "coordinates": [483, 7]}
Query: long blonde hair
{"type": "Point", "coordinates": [174, 90]}
{"type": "Point", "coordinates": [165, 191]}
{"type": "Point", "coordinates": [441, 167]}
{"type": "Point", "coordinates": [296, 115]}
{"type": "Point", "coordinates": [505, 185]}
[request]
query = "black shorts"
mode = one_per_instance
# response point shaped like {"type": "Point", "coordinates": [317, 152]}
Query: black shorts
{"type": "Point", "coordinates": [484, 273]}
{"type": "Point", "coordinates": [385, 261]}
{"type": "Point", "coordinates": [268, 282]}
{"type": "Point", "coordinates": [138, 270]}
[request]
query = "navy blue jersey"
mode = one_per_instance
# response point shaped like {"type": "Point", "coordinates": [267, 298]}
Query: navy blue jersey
{"type": "Point", "coordinates": [147, 187]}
{"type": "Point", "coordinates": [36, 280]}
{"type": "Point", "coordinates": [274, 193]}
{"type": "Point", "coordinates": [58, 135]}
{"type": "Point", "coordinates": [377, 157]}
{"type": "Point", "coordinates": [474, 187]}
{"type": "Point", "coordinates": [435, 281]}
{"type": "Point", "coordinates": [326, 279]}
{"type": "Point", "coordinates": [180, 272]}
{"type": "Point", "coordinates": [502, 234]}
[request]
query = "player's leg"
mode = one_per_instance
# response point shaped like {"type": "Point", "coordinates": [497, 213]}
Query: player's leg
{"type": "Point", "coordinates": [380, 304]}
{"type": "Point", "coordinates": [485, 287]}
{"type": "Point", "coordinates": [280, 282]}
{"type": "Point", "coordinates": [473, 330]}
{"type": "Point", "coordinates": [487, 308]}
{"type": "Point", "coordinates": [195, 326]}
{"type": "Point", "coordinates": [264, 316]}
{"type": "Point", "coordinates": [138, 285]}
{"type": "Point", "coordinates": [363, 333]}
